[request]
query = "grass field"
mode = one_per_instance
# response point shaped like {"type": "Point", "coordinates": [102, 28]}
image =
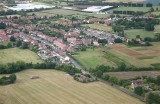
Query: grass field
{"type": "Point", "coordinates": [15, 54]}
{"type": "Point", "coordinates": [67, 12]}
{"type": "Point", "coordinates": [113, 55]}
{"type": "Point", "coordinates": [124, 0]}
{"type": "Point", "coordinates": [134, 32]}
{"type": "Point", "coordinates": [54, 87]}
{"type": "Point", "coordinates": [143, 9]}
{"type": "Point", "coordinates": [103, 27]}
{"type": "Point", "coordinates": [134, 74]}
{"type": "Point", "coordinates": [91, 58]}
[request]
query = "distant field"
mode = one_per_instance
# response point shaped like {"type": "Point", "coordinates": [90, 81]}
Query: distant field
{"type": "Point", "coordinates": [137, 56]}
{"type": "Point", "coordinates": [133, 74]}
{"type": "Point", "coordinates": [124, 0]}
{"type": "Point", "coordinates": [91, 58]}
{"type": "Point", "coordinates": [54, 87]}
{"type": "Point", "coordinates": [113, 55]}
{"type": "Point", "coordinates": [144, 9]}
{"type": "Point", "coordinates": [68, 12]}
{"type": "Point", "coordinates": [103, 27]}
{"type": "Point", "coordinates": [134, 32]}
{"type": "Point", "coordinates": [15, 54]}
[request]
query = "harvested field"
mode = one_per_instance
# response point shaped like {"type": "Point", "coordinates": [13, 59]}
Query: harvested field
{"type": "Point", "coordinates": [133, 74]}
{"type": "Point", "coordinates": [54, 87]}
{"type": "Point", "coordinates": [123, 49]}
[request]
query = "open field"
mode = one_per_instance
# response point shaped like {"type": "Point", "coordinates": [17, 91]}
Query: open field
{"type": "Point", "coordinates": [68, 12]}
{"type": "Point", "coordinates": [91, 58]}
{"type": "Point", "coordinates": [103, 27]}
{"type": "Point", "coordinates": [54, 87]}
{"type": "Point", "coordinates": [143, 9]}
{"type": "Point", "coordinates": [134, 32]}
{"type": "Point", "coordinates": [133, 74]}
{"type": "Point", "coordinates": [137, 56]}
{"type": "Point", "coordinates": [15, 54]}
{"type": "Point", "coordinates": [113, 55]}
{"type": "Point", "coordinates": [124, 0]}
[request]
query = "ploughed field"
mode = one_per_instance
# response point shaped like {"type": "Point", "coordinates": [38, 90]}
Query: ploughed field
{"type": "Point", "coordinates": [54, 87]}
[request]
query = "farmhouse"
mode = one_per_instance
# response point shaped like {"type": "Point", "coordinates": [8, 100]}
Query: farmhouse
{"type": "Point", "coordinates": [136, 83]}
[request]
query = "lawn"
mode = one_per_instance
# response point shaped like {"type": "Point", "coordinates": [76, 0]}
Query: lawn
{"type": "Point", "coordinates": [91, 58]}
{"type": "Point", "coordinates": [134, 32]}
{"type": "Point", "coordinates": [15, 54]}
{"type": "Point", "coordinates": [54, 87]}
{"type": "Point", "coordinates": [103, 27]}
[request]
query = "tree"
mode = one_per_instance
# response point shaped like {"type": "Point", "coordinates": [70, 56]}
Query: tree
{"type": "Point", "coordinates": [12, 39]}
{"type": "Point", "coordinates": [152, 9]}
{"type": "Point", "coordinates": [158, 80]}
{"type": "Point", "coordinates": [12, 78]}
{"type": "Point", "coordinates": [2, 25]}
{"type": "Point", "coordinates": [18, 43]}
{"type": "Point", "coordinates": [122, 66]}
{"type": "Point", "coordinates": [139, 90]}
{"type": "Point", "coordinates": [149, 27]}
{"type": "Point", "coordinates": [153, 99]}
{"type": "Point", "coordinates": [24, 45]}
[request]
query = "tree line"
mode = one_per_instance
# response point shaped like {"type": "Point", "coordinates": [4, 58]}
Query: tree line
{"type": "Point", "coordinates": [99, 3]}
{"type": "Point", "coordinates": [20, 65]}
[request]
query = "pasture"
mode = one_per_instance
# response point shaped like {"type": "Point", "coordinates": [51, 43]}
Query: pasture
{"type": "Point", "coordinates": [115, 54]}
{"type": "Point", "coordinates": [53, 12]}
{"type": "Point", "coordinates": [91, 58]}
{"type": "Point", "coordinates": [132, 33]}
{"type": "Point", "coordinates": [103, 27]}
{"type": "Point", "coordinates": [54, 87]}
{"type": "Point", "coordinates": [133, 74]}
{"type": "Point", "coordinates": [143, 9]}
{"type": "Point", "coordinates": [15, 54]}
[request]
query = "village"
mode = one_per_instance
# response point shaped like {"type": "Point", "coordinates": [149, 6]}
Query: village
{"type": "Point", "coordinates": [54, 49]}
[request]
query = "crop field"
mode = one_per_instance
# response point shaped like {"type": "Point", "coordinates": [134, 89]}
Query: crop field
{"type": "Point", "coordinates": [134, 74]}
{"type": "Point", "coordinates": [137, 56]}
{"type": "Point", "coordinates": [103, 27]}
{"type": "Point", "coordinates": [91, 58]}
{"type": "Point", "coordinates": [15, 54]}
{"type": "Point", "coordinates": [54, 87]}
{"type": "Point", "coordinates": [134, 32]}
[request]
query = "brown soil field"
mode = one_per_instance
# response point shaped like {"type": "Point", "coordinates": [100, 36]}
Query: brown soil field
{"type": "Point", "coordinates": [133, 74]}
{"type": "Point", "coordinates": [123, 49]}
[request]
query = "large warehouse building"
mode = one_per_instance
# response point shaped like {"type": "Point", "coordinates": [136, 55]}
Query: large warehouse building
{"type": "Point", "coordinates": [95, 9]}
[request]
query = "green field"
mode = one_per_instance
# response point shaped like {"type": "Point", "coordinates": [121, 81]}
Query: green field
{"type": "Point", "coordinates": [143, 9]}
{"type": "Point", "coordinates": [15, 54]}
{"type": "Point", "coordinates": [67, 12]}
{"type": "Point", "coordinates": [91, 58]}
{"type": "Point", "coordinates": [134, 32]}
{"type": "Point", "coordinates": [103, 27]}
{"type": "Point", "coordinates": [54, 87]}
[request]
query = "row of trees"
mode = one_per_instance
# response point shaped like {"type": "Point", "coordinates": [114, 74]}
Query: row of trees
{"type": "Point", "coordinates": [20, 65]}
{"type": "Point", "coordinates": [128, 12]}
{"type": "Point", "coordinates": [129, 4]}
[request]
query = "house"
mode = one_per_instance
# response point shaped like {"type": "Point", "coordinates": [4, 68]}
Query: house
{"type": "Point", "coordinates": [95, 43]}
{"type": "Point", "coordinates": [71, 40]}
{"type": "Point", "coordinates": [3, 36]}
{"type": "Point", "coordinates": [60, 45]}
{"type": "Point", "coordinates": [136, 83]}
